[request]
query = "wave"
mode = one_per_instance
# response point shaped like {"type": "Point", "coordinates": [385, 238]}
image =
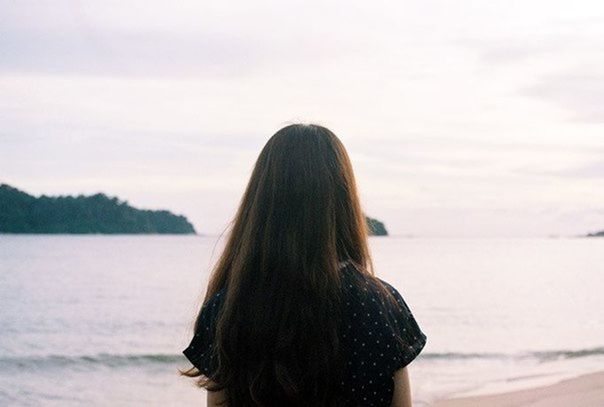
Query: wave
{"type": "Point", "coordinates": [539, 355]}
{"type": "Point", "coordinates": [101, 359]}
{"type": "Point", "coordinates": [461, 356]}
{"type": "Point", "coordinates": [569, 354]}
{"type": "Point", "coordinates": [178, 360]}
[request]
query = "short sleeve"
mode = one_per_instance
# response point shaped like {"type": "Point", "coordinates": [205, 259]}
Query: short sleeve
{"type": "Point", "coordinates": [404, 325]}
{"type": "Point", "coordinates": [200, 349]}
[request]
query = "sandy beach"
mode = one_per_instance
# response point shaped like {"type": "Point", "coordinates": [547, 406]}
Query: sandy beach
{"type": "Point", "coordinates": [582, 391]}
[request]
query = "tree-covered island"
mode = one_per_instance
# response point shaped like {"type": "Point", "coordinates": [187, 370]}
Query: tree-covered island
{"type": "Point", "coordinates": [94, 214]}
{"type": "Point", "coordinates": [376, 228]}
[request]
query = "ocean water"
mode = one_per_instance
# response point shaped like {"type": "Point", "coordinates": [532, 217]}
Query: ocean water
{"type": "Point", "coordinates": [101, 320]}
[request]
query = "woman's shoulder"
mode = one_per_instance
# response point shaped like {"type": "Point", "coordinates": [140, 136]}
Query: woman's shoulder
{"type": "Point", "coordinates": [359, 283]}
{"type": "Point", "coordinates": [372, 315]}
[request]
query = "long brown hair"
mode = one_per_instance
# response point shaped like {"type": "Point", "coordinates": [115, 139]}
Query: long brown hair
{"type": "Point", "coordinates": [276, 337]}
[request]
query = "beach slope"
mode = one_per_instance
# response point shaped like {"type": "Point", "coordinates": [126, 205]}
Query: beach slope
{"type": "Point", "coordinates": [582, 391]}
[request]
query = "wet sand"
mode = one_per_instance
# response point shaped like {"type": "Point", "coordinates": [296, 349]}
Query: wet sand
{"type": "Point", "coordinates": [582, 391]}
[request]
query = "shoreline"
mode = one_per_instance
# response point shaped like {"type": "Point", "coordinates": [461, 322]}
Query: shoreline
{"type": "Point", "coordinates": [586, 390]}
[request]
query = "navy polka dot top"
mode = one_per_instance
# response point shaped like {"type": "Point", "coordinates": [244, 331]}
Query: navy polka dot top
{"type": "Point", "coordinates": [378, 338]}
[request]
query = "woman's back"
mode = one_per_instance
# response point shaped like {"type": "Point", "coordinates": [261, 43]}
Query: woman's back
{"type": "Point", "coordinates": [370, 348]}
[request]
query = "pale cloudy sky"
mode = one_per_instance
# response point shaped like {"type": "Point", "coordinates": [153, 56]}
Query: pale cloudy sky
{"type": "Point", "coordinates": [463, 118]}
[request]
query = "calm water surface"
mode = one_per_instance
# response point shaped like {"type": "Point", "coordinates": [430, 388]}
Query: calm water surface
{"type": "Point", "coordinates": [101, 320]}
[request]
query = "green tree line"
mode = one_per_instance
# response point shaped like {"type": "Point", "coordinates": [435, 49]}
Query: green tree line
{"type": "Point", "coordinates": [99, 213]}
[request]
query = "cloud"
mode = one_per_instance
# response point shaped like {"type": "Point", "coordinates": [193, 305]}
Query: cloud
{"type": "Point", "coordinates": [580, 93]}
{"type": "Point", "coordinates": [135, 39]}
{"type": "Point", "coordinates": [591, 170]}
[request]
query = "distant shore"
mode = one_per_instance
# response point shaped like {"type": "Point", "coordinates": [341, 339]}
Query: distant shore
{"type": "Point", "coordinates": [22, 213]}
{"type": "Point", "coordinates": [583, 391]}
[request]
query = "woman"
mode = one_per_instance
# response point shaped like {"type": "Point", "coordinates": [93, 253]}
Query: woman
{"type": "Point", "coordinates": [293, 314]}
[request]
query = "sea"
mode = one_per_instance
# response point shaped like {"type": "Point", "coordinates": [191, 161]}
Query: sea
{"type": "Point", "coordinates": [102, 320]}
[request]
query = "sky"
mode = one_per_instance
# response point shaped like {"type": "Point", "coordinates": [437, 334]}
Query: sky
{"type": "Point", "coordinates": [462, 118]}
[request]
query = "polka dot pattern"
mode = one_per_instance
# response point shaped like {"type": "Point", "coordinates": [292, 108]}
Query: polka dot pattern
{"type": "Point", "coordinates": [199, 351]}
{"type": "Point", "coordinates": [378, 339]}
